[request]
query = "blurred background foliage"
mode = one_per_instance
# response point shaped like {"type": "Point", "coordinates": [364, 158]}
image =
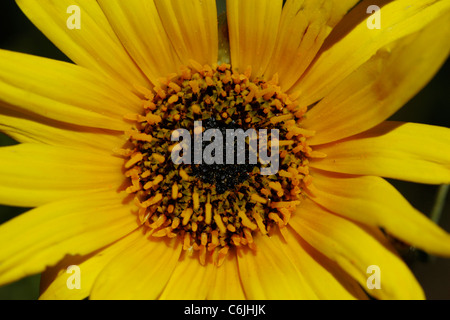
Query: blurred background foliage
{"type": "Point", "coordinates": [430, 106]}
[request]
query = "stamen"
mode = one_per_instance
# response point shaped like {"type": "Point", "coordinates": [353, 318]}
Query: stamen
{"type": "Point", "coordinates": [208, 213]}
{"type": "Point", "coordinates": [222, 254]}
{"type": "Point", "coordinates": [175, 191]}
{"type": "Point", "coordinates": [258, 198]}
{"type": "Point", "coordinates": [219, 222]}
{"type": "Point", "coordinates": [195, 201]}
{"type": "Point", "coordinates": [246, 221]}
{"type": "Point", "coordinates": [153, 183]}
{"type": "Point", "coordinates": [186, 215]}
{"type": "Point", "coordinates": [159, 158]}
{"type": "Point", "coordinates": [152, 200]}
{"type": "Point", "coordinates": [175, 223]}
{"type": "Point", "coordinates": [133, 160]}
{"type": "Point", "coordinates": [284, 204]}
{"type": "Point", "coordinates": [260, 223]}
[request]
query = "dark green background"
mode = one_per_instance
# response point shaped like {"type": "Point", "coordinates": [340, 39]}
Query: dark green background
{"type": "Point", "coordinates": [430, 106]}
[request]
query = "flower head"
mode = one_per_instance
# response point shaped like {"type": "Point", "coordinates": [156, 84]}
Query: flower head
{"type": "Point", "coordinates": [145, 214]}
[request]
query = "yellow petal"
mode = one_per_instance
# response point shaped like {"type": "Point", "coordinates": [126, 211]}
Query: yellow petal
{"type": "Point", "coordinates": [355, 250]}
{"type": "Point", "coordinates": [373, 201]}
{"type": "Point", "coordinates": [405, 151]}
{"type": "Point", "coordinates": [304, 26]}
{"type": "Point", "coordinates": [352, 44]}
{"type": "Point", "coordinates": [32, 174]}
{"type": "Point", "coordinates": [270, 274]}
{"type": "Point", "coordinates": [76, 226]}
{"type": "Point", "coordinates": [189, 281]}
{"type": "Point", "coordinates": [340, 9]}
{"type": "Point", "coordinates": [63, 91]}
{"type": "Point", "coordinates": [252, 26]}
{"type": "Point", "coordinates": [192, 28]}
{"type": "Point", "coordinates": [227, 283]}
{"type": "Point", "coordinates": [94, 45]}
{"type": "Point", "coordinates": [141, 271]}
{"type": "Point", "coordinates": [25, 129]}
{"type": "Point", "coordinates": [324, 276]}
{"type": "Point", "coordinates": [139, 27]}
{"type": "Point", "coordinates": [381, 86]}
{"type": "Point", "coordinates": [54, 279]}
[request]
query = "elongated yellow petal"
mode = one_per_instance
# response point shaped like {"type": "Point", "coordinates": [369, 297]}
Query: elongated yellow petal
{"type": "Point", "coordinates": [381, 86]}
{"type": "Point", "coordinates": [94, 45]}
{"type": "Point", "coordinates": [63, 91]}
{"type": "Point", "coordinates": [405, 151]}
{"type": "Point", "coordinates": [138, 272]}
{"type": "Point", "coordinates": [139, 27]}
{"type": "Point", "coordinates": [192, 28]}
{"type": "Point", "coordinates": [352, 44]}
{"type": "Point", "coordinates": [189, 280]}
{"type": "Point", "coordinates": [324, 276]}
{"type": "Point", "coordinates": [54, 280]}
{"type": "Point", "coordinates": [252, 26]}
{"type": "Point", "coordinates": [303, 28]}
{"type": "Point", "coordinates": [373, 201]}
{"type": "Point", "coordinates": [76, 226]}
{"type": "Point", "coordinates": [340, 9]}
{"type": "Point", "coordinates": [270, 274]}
{"type": "Point", "coordinates": [32, 174]}
{"type": "Point", "coordinates": [355, 250]}
{"type": "Point", "coordinates": [26, 130]}
{"type": "Point", "coordinates": [227, 284]}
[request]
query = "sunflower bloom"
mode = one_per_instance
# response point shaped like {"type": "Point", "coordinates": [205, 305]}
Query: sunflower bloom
{"type": "Point", "coordinates": [96, 139]}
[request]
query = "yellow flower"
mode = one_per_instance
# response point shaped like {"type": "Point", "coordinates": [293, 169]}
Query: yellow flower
{"type": "Point", "coordinates": [95, 136]}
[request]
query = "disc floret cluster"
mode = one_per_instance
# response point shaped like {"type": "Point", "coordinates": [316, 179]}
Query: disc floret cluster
{"type": "Point", "coordinates": [213, 208]}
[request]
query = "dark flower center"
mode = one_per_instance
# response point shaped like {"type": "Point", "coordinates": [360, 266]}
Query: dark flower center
{"type": "Point", "coordinates": [224, 176]}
